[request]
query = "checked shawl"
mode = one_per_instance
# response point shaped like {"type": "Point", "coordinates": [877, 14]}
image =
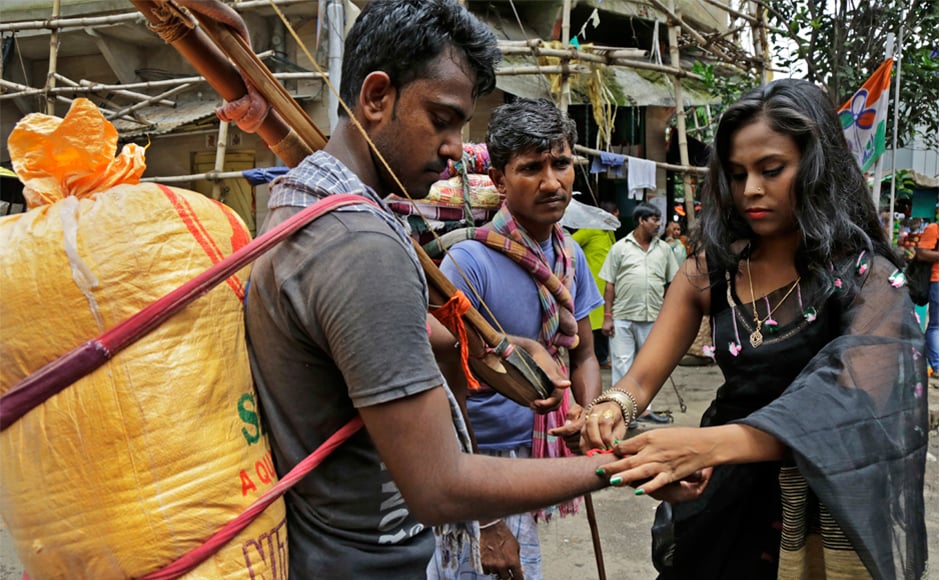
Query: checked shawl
{"type": "Point", "coordinates": [559, 327]}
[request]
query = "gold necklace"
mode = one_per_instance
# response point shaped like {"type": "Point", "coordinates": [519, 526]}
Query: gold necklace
{"type": "Point", "coordinates": [757, 338]}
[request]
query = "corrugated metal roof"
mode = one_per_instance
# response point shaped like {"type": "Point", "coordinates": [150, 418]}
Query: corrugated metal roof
{"type": "Point", "coordinates": [160, 119]}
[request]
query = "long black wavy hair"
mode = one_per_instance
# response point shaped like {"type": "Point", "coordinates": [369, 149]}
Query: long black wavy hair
{"type": "Point", "coordinates": [402, 37]}
{"type": "Point", "coordinates": [834, 209]}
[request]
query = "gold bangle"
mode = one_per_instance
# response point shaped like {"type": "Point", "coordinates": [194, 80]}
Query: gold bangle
{"type": "Point", "coordinates": [623, 399]}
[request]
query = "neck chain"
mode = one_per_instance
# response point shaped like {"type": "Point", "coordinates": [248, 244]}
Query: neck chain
{"type": "Point", "coordinates": [757, 338]}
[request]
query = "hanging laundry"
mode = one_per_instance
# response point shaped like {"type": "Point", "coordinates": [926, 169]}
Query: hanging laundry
{"type": "Point", "coordinates": [612, 163]}
{"type": "Point", "coordinates": [641, 173]}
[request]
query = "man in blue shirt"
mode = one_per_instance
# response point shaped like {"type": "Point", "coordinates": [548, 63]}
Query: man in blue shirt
{"type": "Point", "coordinates": [530, 145]}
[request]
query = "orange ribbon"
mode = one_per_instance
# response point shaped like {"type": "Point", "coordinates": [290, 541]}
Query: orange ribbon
{"type": "Point", "coordinates": [450, 315]}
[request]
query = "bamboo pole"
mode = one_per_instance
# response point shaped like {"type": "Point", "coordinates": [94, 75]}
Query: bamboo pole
{"type": "Point", "coordinates": [614, 57]}
{"type": "Point", "coordinates": [60, 98]}
{"type": "Point", "coordinates": [537, 45]}
{"type": "Point", "coordinates": [98, 98]}
{"type": "Point", "coordinates": [148, 102]}
{"type": "Point", "coordinates": [680, 126]}
{"type": "Point", "coordinates": [702, 42]}
{"type": "Point", "coordinates": [132, 95]}
{"type": "Point", "coordinates": [207, 176]}
{"type": "Point", "coordinates": [565, 76]}
{"type": "Point", "coordinates": [89, 87]}
{"type": "Point", "coordinates": [95, 21]}
{"type": "Point", "coordinates": [535, 69]}
{"type": "Point", "coordinates": [53, 58]}
{"type": "Point", "coordinates": [221, 144]}
{"type": "Point", "coordinates": [746, 17]}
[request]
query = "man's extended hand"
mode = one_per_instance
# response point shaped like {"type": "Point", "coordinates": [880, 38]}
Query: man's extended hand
{"type": "Point", "coordinates": [547, 363]}
{"type": "Point", "coordinates": [571, 430]}
{"type": "Point", "coordinates": [499, 551]}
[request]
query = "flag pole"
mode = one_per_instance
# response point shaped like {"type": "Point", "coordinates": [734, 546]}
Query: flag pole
{"type": "Point", "coordinates": [894, 137]}
{"type": "Point", "coordinates": [876, 186]}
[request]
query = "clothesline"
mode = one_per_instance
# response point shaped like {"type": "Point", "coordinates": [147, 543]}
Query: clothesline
{"type": "Point", "coordinates": [659, 164]}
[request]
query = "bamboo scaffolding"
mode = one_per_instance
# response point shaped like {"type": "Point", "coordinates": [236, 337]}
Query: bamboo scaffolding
{"type": "Point", "coordinates": [611, 57]}
{"type": "Point", "coordinates": [573, 59]}
{"type": "Point", "coordinates": [99, 98]}
{"type": "Point", "coordinates": [131, 94]}
{"type": "Point", "coordinates": [89, 87]}
{"type": "Point", "coordinates": [142, 104]}
{"type": "Point", "coordinates": [60, 98]}
{"type": "Point", "coordinates": [96, 21]}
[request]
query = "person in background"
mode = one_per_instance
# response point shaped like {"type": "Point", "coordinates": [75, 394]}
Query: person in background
{"type": "Point", "coordinates": [596, 243]}
{"type": "Point", "coordinates": [337, 327]}
{"type": "Point", "coordinates": [530, 142]}
{"type": "Point", "coordinates": [673, 237]}
{"type": "Point", "coordinates": [927, 251]}
{"type": "Point", "coordinates": [636, 272]}
{"type": "Point", "coordinates": [810, 460]}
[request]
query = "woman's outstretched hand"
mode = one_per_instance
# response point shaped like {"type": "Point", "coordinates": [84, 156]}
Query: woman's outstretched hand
{"type": "Point", "coordinates": [673, 464]}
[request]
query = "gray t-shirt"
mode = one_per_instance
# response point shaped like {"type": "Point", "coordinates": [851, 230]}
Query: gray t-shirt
{"type": "Point", "coordinates": [336, 321]}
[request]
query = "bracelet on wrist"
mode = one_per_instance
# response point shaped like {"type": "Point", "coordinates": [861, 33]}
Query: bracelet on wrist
{"type": "Point", "coordinates": [626, 401]}
{"type": "Point", "coordinates": [608, 315]}
{"type": "Point", "coordinates": [490, 524]}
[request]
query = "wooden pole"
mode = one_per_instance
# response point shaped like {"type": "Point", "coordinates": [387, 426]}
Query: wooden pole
{"type": "Point", "coordinates": [53, 57]}
{"type": "Point", "coordinates": [565, 95]}
{"type": "Point", "coordinates": [142, 104]}
{"type": "Point", "coordinates": [221, 144]}
{"type": "Point", "coordinates": [680, 126]}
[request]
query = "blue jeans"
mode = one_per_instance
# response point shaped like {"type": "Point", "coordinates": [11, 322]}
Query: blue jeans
{"type": "Point", "coordinates": [933, 318]}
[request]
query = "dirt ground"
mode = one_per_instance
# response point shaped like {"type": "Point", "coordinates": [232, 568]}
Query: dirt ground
{"type": "Point", "coordinates": [623, 519]}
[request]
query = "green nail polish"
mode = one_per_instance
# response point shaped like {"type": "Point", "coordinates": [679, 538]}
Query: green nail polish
{"type": "Point", "coordinates": [616, 441]}
{"type": "Point", "coordinates": [639, 491]}
{"type": "Point", "coordinates": [616, 480]}
{"type": "Point", "coordinates": [600, 471]}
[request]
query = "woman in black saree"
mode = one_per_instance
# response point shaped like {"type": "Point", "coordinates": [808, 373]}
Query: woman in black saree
{"type": "Point", "coordinates": [810, 460]}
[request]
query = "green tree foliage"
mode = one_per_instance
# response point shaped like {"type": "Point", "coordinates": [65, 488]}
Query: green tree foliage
{"type": "Point", "coordinates": [839, 44]}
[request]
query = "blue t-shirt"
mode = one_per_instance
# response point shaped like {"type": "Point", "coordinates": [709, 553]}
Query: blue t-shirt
{"type": "Point", "coordinates": [512, 295]}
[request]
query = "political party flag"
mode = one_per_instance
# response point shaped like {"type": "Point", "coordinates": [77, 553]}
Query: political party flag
{"type": "Point", "coordinates": [864, 116]}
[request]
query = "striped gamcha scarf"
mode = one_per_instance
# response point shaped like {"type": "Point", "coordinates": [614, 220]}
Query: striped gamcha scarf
{"type": "Point", "coordinates": [559, 327]}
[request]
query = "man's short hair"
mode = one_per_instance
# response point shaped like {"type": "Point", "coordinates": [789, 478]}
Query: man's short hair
{"type": "Point", "coordinates": [527, 125]}
{"type": "Point", "coordinates": [403, 37]}
{"type": "Point", "coordinates": [644, 211]}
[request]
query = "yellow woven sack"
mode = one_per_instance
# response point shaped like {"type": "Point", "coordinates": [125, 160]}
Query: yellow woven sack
{"type": "Point", "coordinates": [145, 458]}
